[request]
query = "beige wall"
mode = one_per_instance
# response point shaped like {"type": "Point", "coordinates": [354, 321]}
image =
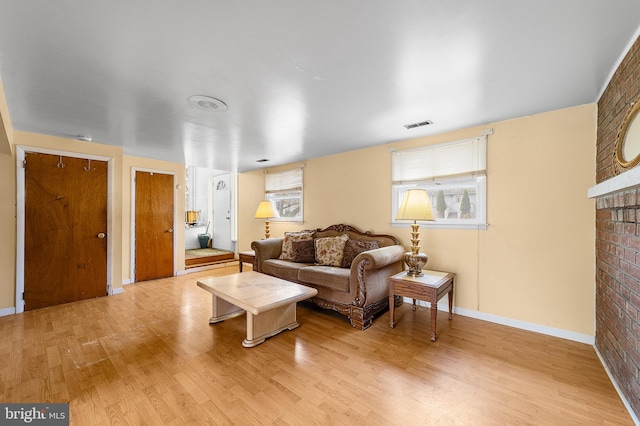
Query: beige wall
{"type": "Point", "coordinates": [540, 251]}
{"type": "Point", "coordinates": [250, 193]}
{"type": "Point", "coordinates": [534, 263]}
{"type": "Point", "coordinates": [6, 129]}
{"type": "Point", "coordinates": [8, 231]}
{"type": "Point", "coordinates": [7, 208]}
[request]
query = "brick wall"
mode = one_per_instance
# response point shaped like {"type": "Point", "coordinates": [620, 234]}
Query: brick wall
{"type": "Point", "coordinates": [618, 240]}
{"type": "Point", "coordinates": [613, 106]}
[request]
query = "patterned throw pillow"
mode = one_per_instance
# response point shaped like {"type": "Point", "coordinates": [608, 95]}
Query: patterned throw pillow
{"type": "Point", "coordinates": [329, 250]}
{"type": "Point", "coordinates": [354, 247]}
{"type": "Point", "coordinates": [303, 251]}
{"type": "Point", "coordinates": [289, 237]}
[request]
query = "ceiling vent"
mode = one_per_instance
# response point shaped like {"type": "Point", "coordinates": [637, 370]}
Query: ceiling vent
{"type": "Point", "coordinates": [414, 125]}
{"type": "Point", "coordinates": [207, 103]}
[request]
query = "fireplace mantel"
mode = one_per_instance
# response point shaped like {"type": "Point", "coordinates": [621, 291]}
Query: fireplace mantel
{"type": "Point", "coordinates": [622, 182]}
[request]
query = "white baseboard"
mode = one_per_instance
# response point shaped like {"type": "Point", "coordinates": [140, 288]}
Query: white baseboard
{"type": "Point", "coordinates": [7, 311]}
{"type": "Point", "coordinates": [443, 305]}
{"type": "Point", "coordinates": [523, 325]}
{"type": "Point", "coordinates": [615, 385]}
{"type": "Point", "coordinates": [126, 282]}
{"type": "Point", "coordinates": [115, 291]}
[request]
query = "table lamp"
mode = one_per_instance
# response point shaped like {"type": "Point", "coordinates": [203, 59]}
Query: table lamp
{"type": "Point", "coordinates": [265, 211]}
{"type": "Point", "coordinates": [415, 206]}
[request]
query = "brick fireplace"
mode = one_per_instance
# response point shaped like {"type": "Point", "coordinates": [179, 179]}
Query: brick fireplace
{"type": "Point", "coordinates": [618, 236]}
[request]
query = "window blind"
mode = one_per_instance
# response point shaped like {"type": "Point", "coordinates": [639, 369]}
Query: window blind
{"type": "Point", "coordinates": [290, 180]}
{"type": "Point", "coordinates": [465, 158]}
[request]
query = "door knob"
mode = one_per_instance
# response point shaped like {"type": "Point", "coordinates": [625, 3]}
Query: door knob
{"type": "Point", "coordinates": [102, 235]}
{"type": "Point", "coordinates": [170, 230]}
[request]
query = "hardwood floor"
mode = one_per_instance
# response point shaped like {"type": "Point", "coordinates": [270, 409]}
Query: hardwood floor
{"type": "Point", "coordinates": [149, 356]}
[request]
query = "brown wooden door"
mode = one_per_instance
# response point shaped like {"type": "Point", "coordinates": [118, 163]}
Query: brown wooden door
{"type": "Point", "coordinates": [65, 230]}
{"type": "Point", "coordinates": [154, 226]}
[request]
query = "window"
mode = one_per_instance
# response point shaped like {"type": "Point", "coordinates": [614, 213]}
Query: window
{"type": "Point", "coordinates": [455, 176]}
{"type": "Point", "coordinates": [284, 190]}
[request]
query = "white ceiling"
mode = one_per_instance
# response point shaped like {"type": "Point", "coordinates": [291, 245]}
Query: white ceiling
{"type": "Point", "coordinates": [301, 78]}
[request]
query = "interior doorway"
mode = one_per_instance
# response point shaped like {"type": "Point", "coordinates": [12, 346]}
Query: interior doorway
{"type": "Point", "coordinates": [221, 207]}
{"type": "Point", "coordinates": [210, 196]}
{"type": "Point", "coordinates": [65, 230]}
{"type": "Point", "coordinates": [63, 215]}
{"type": "Point", "coordinates": [154, 222]}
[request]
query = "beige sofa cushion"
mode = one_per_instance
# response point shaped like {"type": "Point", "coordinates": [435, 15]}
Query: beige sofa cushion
{"type": "Point", "coordinates": [325, 276]}
{"type": "Point", "coordinates": [284, 269]}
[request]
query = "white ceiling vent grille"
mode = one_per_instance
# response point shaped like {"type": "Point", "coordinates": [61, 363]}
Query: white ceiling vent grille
{"type": "Point", "coordinates": [414, 125]}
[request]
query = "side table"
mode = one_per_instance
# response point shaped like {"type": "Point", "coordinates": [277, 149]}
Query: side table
{"type": "Point", "coordinates": [431, 286]}
{"type": "Point", "coordinates": [246, 257]}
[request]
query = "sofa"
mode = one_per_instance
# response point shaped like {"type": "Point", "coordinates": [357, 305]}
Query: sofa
{"type": "Point", "coordinates": [349, 268]}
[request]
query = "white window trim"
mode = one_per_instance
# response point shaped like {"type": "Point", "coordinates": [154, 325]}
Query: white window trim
{"type": "Point", "coordinates": [402, 180]}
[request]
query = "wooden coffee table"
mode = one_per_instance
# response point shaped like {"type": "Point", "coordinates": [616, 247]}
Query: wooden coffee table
{"type": "Point", "coordinates": [270, 303]}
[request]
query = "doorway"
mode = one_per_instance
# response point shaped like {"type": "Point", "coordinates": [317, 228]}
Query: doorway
{"type": "Point", "coordinates": [210, 193]}
{"type": "Point", "coordinates": [63, 223]}
{"type": "Point", "coordinates": [221, 208]}
{"type": "Point", "coordinates": [154, 220]}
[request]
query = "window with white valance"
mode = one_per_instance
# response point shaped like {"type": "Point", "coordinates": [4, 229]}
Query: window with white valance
{"type": "Point", "coordinates": [455, 176]}
{"type": "Point", "coordinates": [284, 190]}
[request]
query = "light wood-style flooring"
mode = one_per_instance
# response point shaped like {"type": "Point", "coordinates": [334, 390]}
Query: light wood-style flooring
{"type": "Point", "coordinates": [149, 356]}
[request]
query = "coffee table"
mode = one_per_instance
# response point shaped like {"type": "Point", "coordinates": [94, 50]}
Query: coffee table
{"type": "Point", "coordinates": [270, 303]}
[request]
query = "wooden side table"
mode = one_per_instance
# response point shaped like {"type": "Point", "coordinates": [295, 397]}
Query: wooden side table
{"type": "Point", "coordinates": [246, 257]}
{"type": "Point", "coordinates": [430, 287]}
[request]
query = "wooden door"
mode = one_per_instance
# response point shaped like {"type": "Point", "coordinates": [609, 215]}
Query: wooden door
{"type": "Point", "coordinates": [154, 226]}
{"type": "Point", "coordinates": [65, 230]}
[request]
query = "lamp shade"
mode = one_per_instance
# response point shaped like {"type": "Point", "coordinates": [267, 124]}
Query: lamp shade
{"type": "Point", "coordinates": [265, 210]}
{"type": "Point", "coordinates": [415, 206]}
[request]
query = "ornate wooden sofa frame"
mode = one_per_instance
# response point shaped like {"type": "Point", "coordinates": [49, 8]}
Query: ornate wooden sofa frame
{"type": "Point", "coordinates": [359, 292]}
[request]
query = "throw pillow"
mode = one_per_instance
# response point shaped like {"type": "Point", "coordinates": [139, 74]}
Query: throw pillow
{"type": "Point", "coordinates": [354, 247]}
{"type": "Point", "coordinates": [289, 237]}
{"type": "Point", "coordinates": [303, 251]}
{"type": "Point", "coordinates": [329, 250]}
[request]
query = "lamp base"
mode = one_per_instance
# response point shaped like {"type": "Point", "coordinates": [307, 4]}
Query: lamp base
{"type": "Point", "coordinates": [415, 262]}
{"type": "Point", "coordinates": [266, 229]}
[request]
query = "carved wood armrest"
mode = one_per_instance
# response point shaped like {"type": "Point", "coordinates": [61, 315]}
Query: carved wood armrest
{"type": "Point", "coordinates": [373, 260]}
